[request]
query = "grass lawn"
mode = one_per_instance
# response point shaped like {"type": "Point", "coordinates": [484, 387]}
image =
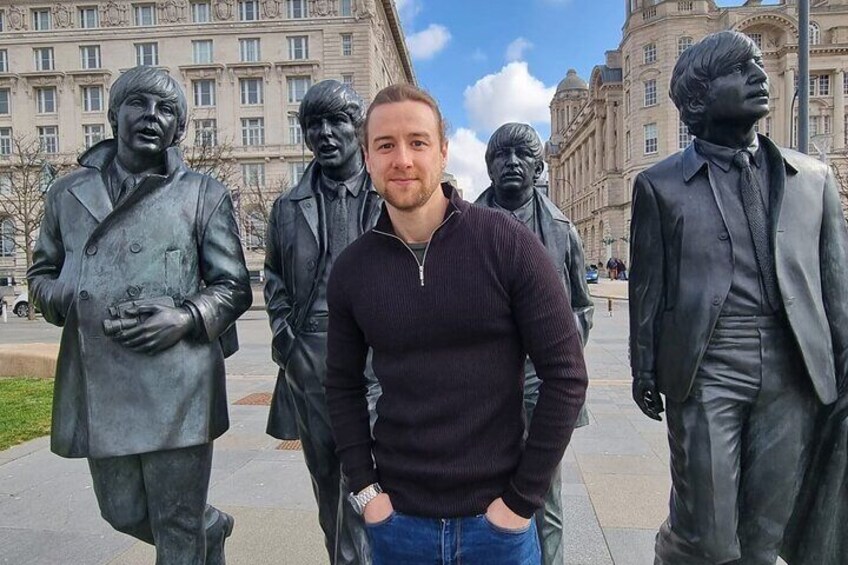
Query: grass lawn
{"type": "Point", "coordinates": [25, 406]}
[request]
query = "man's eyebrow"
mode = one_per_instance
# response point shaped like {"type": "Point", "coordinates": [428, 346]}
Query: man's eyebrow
{"type": "Point", "coordinates": [383, 138]}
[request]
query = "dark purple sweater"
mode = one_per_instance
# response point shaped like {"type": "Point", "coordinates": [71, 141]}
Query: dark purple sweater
{"type": "Point", "coordinates": [449, 354]}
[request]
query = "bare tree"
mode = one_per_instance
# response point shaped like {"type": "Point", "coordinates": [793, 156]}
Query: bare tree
{"type": "Point", "coordinates": [209, 157]}
{"type": "Point", "coordinates": [26, 178]}
{"type": "Point", "coordinates": [839, 165]}
{"type": "Point", "coordinates": [253, 206]}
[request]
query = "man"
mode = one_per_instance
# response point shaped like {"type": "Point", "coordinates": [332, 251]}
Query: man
{"type": "Point", "coordinates": [450, 298]}
{"type": "Point", "coordinates": [139, 259]}
{"type": "Point", "coordinates": [738, 310]}
{"type": "Point", "coordinates": [310, 225]}
{"type": "Point", "coordinates": [514, 161]}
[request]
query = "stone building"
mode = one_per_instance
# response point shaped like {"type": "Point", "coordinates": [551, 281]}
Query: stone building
{"type": "Point", "coordinates": [604, 132]}
{"type": "Point", "coordinates": [244, 65]}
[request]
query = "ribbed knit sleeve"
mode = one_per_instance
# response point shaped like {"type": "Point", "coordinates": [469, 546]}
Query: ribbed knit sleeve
{"type": "Point", "coordinates": [550, 337]}
{"type": "Point", "coordinates": [345, 385]}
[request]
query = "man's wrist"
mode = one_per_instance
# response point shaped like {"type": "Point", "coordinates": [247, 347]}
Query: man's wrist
{"type": "Point", "coordinates": [361, 499]}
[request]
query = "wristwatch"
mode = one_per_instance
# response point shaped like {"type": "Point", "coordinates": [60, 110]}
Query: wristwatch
{"type": "Point", "coordinates": [363, 497]}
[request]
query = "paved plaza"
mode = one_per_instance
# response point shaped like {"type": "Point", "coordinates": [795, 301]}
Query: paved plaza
{"type": "Point", "coordinates": [615, 472]}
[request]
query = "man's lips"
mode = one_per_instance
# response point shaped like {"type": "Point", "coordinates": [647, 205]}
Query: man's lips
{"type": "Point", "coordinates": [149, 132]}
{"type": "Point", "coordinates": [759, 94]}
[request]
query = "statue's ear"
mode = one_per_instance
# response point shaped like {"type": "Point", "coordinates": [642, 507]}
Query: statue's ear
{"type": "Point", "coordinates": [540, 168]}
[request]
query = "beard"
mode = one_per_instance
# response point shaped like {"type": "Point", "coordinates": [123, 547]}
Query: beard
{"type": "Point", "coordinates": [407, 201]}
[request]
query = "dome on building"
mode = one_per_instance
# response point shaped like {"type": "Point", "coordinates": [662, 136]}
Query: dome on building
{"type": "Point", "coordinates": [572, 82]}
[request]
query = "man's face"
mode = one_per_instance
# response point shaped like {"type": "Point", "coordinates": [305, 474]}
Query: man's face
{"type": "Point", "coordinates": [513, 167]}
{"type": "Point", "coordinates": [332, 138]}
{"type": "Point", "coordinates": [739, 95]}
{"type": "Point", "coordinates": [404, 154]}
{"type": "Point", "coordinates": [147, 123]}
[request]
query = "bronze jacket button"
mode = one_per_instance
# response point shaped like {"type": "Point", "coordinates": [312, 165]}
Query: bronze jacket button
{"type": "Point", "coordinates": [135, 247]}
{"type": "Point", "coordinates": [91, 250]}
{"type": "Point", "coordinates": [84, 295]}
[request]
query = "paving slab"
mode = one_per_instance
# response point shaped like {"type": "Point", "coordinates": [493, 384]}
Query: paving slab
{"type": "Point", "coordinates": [620, 499]}
{"type": "Point", "coordinates": [38, 547]}
{"type": "Point", "coordinates": [631, 546]}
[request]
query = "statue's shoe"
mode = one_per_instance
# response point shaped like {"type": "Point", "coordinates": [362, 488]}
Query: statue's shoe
{"type": "Point", "coordinates": [216, 536]}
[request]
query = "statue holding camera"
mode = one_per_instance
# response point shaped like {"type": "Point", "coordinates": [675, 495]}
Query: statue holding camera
{"type": "Point", "coordinates": [139, 259]}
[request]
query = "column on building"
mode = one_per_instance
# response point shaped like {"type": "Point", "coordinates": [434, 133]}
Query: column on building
{"type": "Point", "coordinates": [609, 151]}
{"type": "Point", "coordinates": [600, 141]}
{"type": "Point", "coordinates": [838, 110]}
{"type": "Point", "coordinates": [789, 95]}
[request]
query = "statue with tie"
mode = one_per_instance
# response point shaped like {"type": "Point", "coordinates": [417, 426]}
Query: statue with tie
{"type": "Point", "coordinates": [738, 310]}
{"type": "Point", "coordinates": [330, 206]}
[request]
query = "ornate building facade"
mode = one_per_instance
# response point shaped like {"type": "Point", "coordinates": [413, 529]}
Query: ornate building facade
{"type": "Point", "coordinates": [244, 65]}
{"type": "Point", "coordinates": [604, 132]}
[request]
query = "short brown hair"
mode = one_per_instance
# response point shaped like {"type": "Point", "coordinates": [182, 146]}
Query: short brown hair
{"type": "Point", "coordinates": [403, 92]}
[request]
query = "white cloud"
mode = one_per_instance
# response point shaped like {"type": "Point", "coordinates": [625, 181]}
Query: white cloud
{"type": "Point", "coordinates": [467, 162]}
{"type": "Point", "coordinates": [510, 95]}
{"type": "Point", "coordinates": [515, 50]}
{"type": "Point", "coordinates": [426, 43]}
{"type": "Point", "coordinates": [408, 9]}
{"type": "Point", "coordinates": [479, 55]}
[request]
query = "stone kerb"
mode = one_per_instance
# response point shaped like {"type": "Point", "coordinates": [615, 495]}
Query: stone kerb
{"type": "Point", "coordinates": [30, 360]}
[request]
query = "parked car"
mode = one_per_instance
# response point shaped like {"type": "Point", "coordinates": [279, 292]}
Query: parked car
{"type": "Point", "coordinates": [21, 305]}
{"type": "Point", "coordinates": [591, 274]}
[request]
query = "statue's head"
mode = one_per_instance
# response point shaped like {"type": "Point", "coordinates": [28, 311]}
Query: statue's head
{"type": "Point", "coordinates": [720, 80]}
{"type": "Point", "coordinates": [514, 157]}
{"type": "Point", "coordinates": [331, 116]}
{"type": "Point", "coordinates": [147, 110]}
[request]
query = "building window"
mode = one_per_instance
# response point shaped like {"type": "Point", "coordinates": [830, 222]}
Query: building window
{"type": "Point", "coordinates": [767, 131]}
{"type": "Point", "coordinates": [683, 43]}
{"type": "Point", "coordinates": [251, 91]}
{"type": "Point", "coordinates": [43, 58]}
{"type": "Point", "coordinates": [347, 80]}
{"type": "Point", "coordinates": [347, 44]}
{"type": "Point", "coordinates": [249, 50]}
{"type": "Point", "coordinates": [757, 38]}
{"type": "Point", "coordinates": [296, 171]}
{"type": "Point", "coordinates": [147, 54]}
{"type": "Point", "coordinates": [4, 61]}
{"type": "Point", "coordinates": [815, 33]}
{"type": "Point", "coordinates": [93, 134]}
{"type": "Point", "coordinates": [844, 129]}
{"type": "Point", "coordinates": [650, 92]}
{"type": "Point", "coordinates": [5, 141]}
{"type": "Point", "coordinates": [2, 21]}
{"type": "Point", "coordinates": [90, 56]}
{"type": "Point", "coordinates": [627, 146]}
{"type": "Point", "coordinates": [819, 85]}
{"type": "Point", "coordinates": [253, 174]}
{"type": "Point", "coordinates": [144, 14]}
{"type": "Point", "coordinates": [298, 47]}
{"type": "Point", "coordinates": [295, 133]}
{"type": "Point", "coordinates": [46, 100]}
{"type": "Point", "coordinates": [40, 20]}
{"type": "Point", "coordinates": [345, 8]}
{"type": "Point", "coordinates": [651, 142]}
{"type": "Point", "coordinates": [89, 17]}
{"type": "Point", "coordinates": [201, 51]}
{"type": "Point", "coordinates": [297, 87]}
{"type": "Point", "coordinates": [4, 101]}
{"type": "Point", "coordinates": [296, 9]}
{"type": "Point", "coordinates": [683, 137]}
{"type": "Point", "coordinates": [48, 137]}
{"type": "Point", "coordinates": [7, 236]}
{"type": "Point", "coordinates": [205, 133]}
{"type": "Point", "coordinates": [204, 92]}
{"type": "Point", "coordinates": [252, 131]}
{"type": "Point", "coordinates": [92, 98]}
{"type": "Point", "coordinates": [201, 12]}
{"type": "Point", "coordinates": [650, 53]}
{"type": "Point", "coordinates": [248, 10]}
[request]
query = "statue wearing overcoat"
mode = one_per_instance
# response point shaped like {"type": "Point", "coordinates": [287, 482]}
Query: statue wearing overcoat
{"type": "Point", "coordinates": [296, 257]}
{"type": "Point", "coordinates": [175, 237]}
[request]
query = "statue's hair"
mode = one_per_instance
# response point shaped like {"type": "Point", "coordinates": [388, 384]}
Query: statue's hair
{"type": "Point", "coordinates": [330, 97]}
{"type": "Point", "coordinates": [711, 57]}
{"type": "Point", "coordinates": [512, 134]}
{"type": "Point", "coordinates": [150, 80]}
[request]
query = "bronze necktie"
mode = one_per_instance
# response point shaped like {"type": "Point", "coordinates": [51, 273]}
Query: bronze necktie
{"type": "Point", "coordinates": [755, 211]}
{"type": "Point", "coordinates": [340, 219]}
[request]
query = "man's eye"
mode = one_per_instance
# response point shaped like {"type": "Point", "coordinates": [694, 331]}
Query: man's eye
{"type": "Point", "coordinates": [168, 109]}
{"type": "Point", "coordinates": [419, 143]}
{"type": "Point", "coordinates": [384, 146]}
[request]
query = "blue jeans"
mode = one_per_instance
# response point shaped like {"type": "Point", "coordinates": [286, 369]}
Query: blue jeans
{"type": "Point", "coordinates": [408, 540]}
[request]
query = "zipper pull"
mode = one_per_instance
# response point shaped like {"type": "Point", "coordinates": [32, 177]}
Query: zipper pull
{"type": "Point", "coordinates": [421, 274]}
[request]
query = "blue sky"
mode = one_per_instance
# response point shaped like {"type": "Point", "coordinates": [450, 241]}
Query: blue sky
{"type": "Point", "coordinates": [492, 61]}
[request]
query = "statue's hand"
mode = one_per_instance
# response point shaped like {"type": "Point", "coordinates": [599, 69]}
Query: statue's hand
{"type": "Point", "coordinates": [162, 328]}
{"type": "Point", "coordinates": [647, 396]}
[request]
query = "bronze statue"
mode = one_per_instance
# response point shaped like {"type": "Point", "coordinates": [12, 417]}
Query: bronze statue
{"type": "Point", "coordinates": [514, 159]}
{"type": "Point", "coordinates": [140, 260]}
{"type": "Point", "coordinates": [310, 225]}
{"type": "Point", "coordinates": [738, 310]}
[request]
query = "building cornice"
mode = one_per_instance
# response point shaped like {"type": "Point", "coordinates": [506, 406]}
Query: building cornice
{"type": "Point", "coordinates": [400, 42]}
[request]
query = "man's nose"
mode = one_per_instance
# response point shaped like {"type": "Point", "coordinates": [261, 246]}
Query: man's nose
{"type": "Point", "coordinates": [325, 129]}
{"type": "Point", "coordinates": [403, 157]}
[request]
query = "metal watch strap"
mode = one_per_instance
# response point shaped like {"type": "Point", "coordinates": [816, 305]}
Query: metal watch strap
{"type": "Point", "coordinates": [363, 497]}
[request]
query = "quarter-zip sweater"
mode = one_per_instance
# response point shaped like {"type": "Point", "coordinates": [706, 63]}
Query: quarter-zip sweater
{"type": "Point", "coordinates": [449, 337]}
